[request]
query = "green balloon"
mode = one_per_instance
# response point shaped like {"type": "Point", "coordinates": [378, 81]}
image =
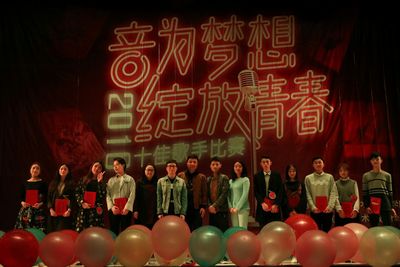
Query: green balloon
{"type": "Point", "coordinates": [393, 229]}
{"type": "Point", "coordinates": [37, 233]}
{"type": "Point", "coordinates": [207, 246]}
{"type": "Point", "coordinates": [1, 233]}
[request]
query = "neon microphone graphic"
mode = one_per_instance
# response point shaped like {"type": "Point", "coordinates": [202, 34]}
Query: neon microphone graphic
{"type": "Point", "coordinates": [248, 83]}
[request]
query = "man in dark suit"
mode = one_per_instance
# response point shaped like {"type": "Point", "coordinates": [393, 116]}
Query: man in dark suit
{"type": "Point", "coordinates": [268, 191]}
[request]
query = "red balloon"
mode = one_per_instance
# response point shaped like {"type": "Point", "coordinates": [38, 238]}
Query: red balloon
{"type": "Point", "coordinates": [18, 248]}
{"type": "Point", "coordinates": [57, 249]}
{"type": "Point", "coordinates": [301, 223]}
{"type": "Point", "coordinates": [315, 249]}
{"type": "Point", "coordinates": [72, 233]}
{"type": "Point", "coordinates": [244, 248]}
{"type": "Point", "coordinates": [346, 243]}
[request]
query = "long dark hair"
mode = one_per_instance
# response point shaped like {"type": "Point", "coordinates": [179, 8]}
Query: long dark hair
{"type": "Point", "coordinates": [57, 179]}
{"type": "Point", "coordinates": [287, 177]}
{"type": "Point", "coordinates": [244, 170]}
{"type": "Point", "coordinates": [89, 176]}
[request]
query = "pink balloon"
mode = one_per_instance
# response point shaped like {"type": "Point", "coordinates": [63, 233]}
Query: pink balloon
{"type": "Point", "coordinates": [140, 227]}
{"type": "Point", "coordinates": [244, 248]}
{"type": "Point", "coordinates": [359, 230]}
{"type": "Point", "coordinates": [18, 248]}
{"type": "Point", "coordinates": [170, 236]}
{"type": "Point", "coordinates": [301, 223]}
{"type": "Point", "coordinates": [346, 243]}
{"type": "Point", "coordinates": [315, 249]}
{"type": "Point", "coordinates": [94, 247]}
{"type": "Point", "coordinates": [57, 249]}
{"type": "Point", "coordinates": [278, 241]}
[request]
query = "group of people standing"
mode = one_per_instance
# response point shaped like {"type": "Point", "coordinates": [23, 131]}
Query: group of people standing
{"type": "Point", "coordinates": [191, 195]}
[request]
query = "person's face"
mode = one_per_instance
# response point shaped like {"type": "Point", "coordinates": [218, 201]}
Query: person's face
{"type": "Point", "coordinates": [343, 173]}
{"type": "Point", "coordinates": [35, 170]}
{"type": "Point", "coordinates": [266, 164]}
{"type": "Point", "coordinates": [63, 171]}
{"type": "Point", "coordinates": [318, 165]}
{"type": "Point", "coordinates": [149, 172]}
{"type": "Point", "coordinates": [171, 169]}
{"type": "Point", "coordinates": [215, 166]}
{"type": "Point", "coordinates": [376, 162]}
{"type": "Point", "coordinates": [238, 168]}
{"type": "Point", "coordinates": [96, 168]}
{"type": "Point", "coordinates": [192, 165]}
{"type": "Point", "coordinates": [118, 167]}
{"type": "Point", "coordinates": [292, 173]}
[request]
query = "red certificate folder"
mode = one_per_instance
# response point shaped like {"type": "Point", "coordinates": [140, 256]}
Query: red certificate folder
{"type": "Point", "coordinates": [90, 198]}
{"type": "Point", "coordinates": [376, 205]}
{"type": "Point", "coordinates": [321, 202]}
{"type": "Point", "coordinates": [120, 202]}
{"type": "Point", "coordinates": [61, 206]}
{"type": "Point", "coordinates": [32, 196]}
{"type": "Point", "coordinates": [347, 208]}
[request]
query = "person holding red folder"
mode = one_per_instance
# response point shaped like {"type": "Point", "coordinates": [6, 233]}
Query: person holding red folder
{"type": "Point", "coordinates": [32, 213]}
{"type": "Point", "coordinates": [91, 214]}
{"type": "Point", "coordinates": [121, 190]}
{"type": "Point", "coordinates": [349, 198]}
{"type": "Point", "coordinates": [59, 201]}
{"type": "Point", "coordinates": [322, 195]}
{"type": "Point", "coordinates": [378, 192]}
{"type": "Point", "coordinates": [268, 191]}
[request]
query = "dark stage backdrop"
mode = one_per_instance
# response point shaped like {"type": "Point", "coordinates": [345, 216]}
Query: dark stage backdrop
{"type": "Point", "coordinates": [81, 84]}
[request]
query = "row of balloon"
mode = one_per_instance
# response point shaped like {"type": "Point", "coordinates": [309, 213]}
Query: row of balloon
{"type": "Point", "coordinates": [172, 243]}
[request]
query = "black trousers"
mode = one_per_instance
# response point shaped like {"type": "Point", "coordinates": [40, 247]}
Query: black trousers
{"type": "Point", "coordinates": [386, 218]}
{"type": "Point", "coordinates": [219, 220]}
{"type": "Point", "coordinates": [268, 217]}
{"type": "Point", "coordinates": [193, 219]}
{"type": "Point", "coordinates": [343, 221]}
{"type": "Point", "coordinates": [323, 220]}
{"type": "Point", "coordinates": [119, 223]}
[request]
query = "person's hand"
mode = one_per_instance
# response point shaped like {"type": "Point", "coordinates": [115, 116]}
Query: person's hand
{"type": "Point", "coordinates": [327, 210]}
{"type": "Point", "coordinates": [354, 214]}
{"type": "Point", "coordinates": [100, 176]}
{"type": "Point", "coordinates": [37, 205]}
{"type": "Point", "coordinates": [233, 210]}
{"type": "Point", "coordinates": [135, 215]}
{"type": "Point", "coordinates": [265, 207]}
{"type": "Point", "coordinates": [274, 209]}
{"type": "Point", "coordinates": [86, 205]}
{"type": "Point", "coordinates": [292, 213]}
{"type": "Point", "coordinates": [182, 216]}
{"type": "Point", "coordinates": [124, 211]}
{"type": "Point", "coordinates": [369, 210]}
{"type": "Point", "coordinates": [115, 210]}
{"type": "Point", "coordinates": [212, 209]}
{"type": "Point", "coordinates": [53, 213]}
{"type": "Point", "coordinates": [341, 214]}
{"type": "Point", "coordinates": [202, 212]}
{"type": "Point", "coordinates": [67, 213]}
{"type": "Point", "coordinates": [316, 210]}
{"type": "Point", "coordinates": [24, 204]}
